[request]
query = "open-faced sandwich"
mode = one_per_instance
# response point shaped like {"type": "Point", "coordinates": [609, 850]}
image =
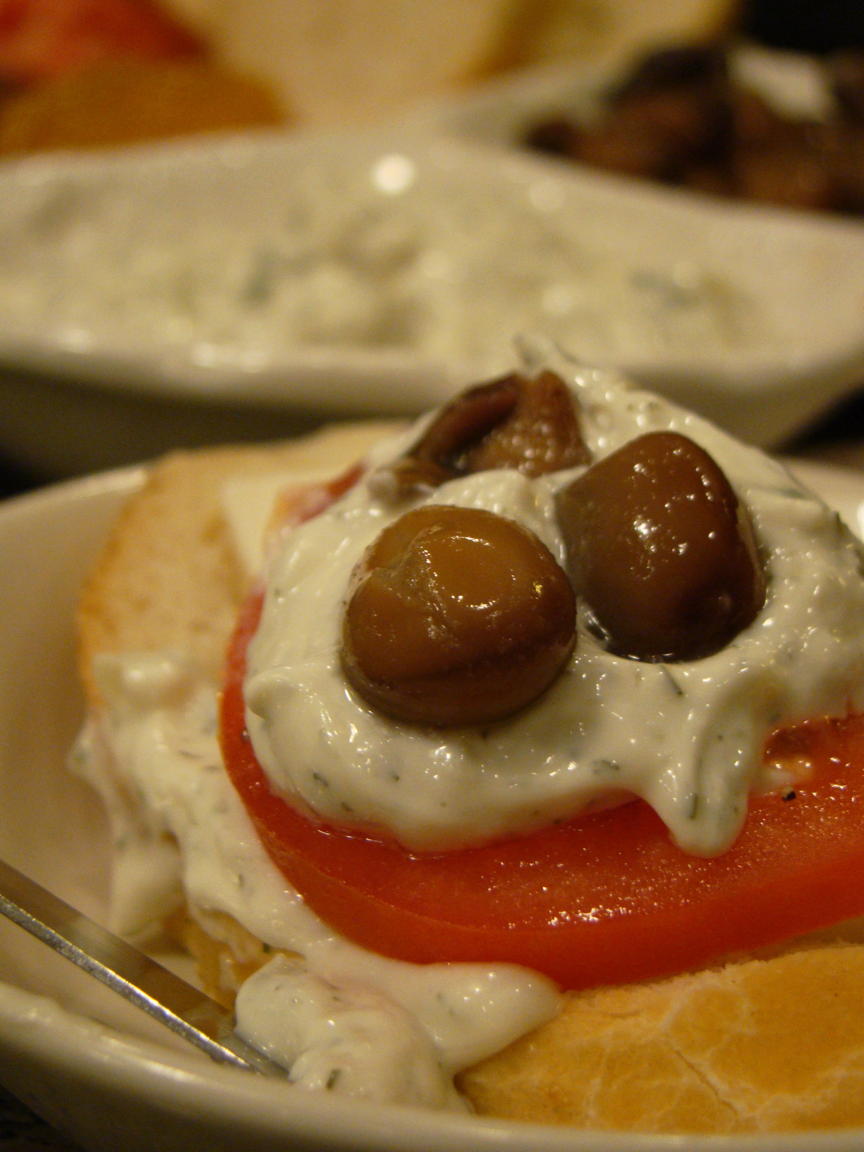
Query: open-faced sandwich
{"type": "Point", "coordinates": [511, 761]}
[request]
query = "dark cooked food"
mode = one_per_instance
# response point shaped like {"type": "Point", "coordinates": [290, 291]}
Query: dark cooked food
{"type": "Point", "coordinates": [682, 117]}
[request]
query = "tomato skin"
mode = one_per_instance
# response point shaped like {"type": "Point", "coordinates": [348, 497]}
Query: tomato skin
{"type": "Point", "coordinates": [606, 898]}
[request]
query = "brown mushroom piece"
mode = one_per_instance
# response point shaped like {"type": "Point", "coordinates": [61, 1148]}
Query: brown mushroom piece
{"type": "Point", "coordinates": [527, 423]}
{"type": "Point", "coordinates": [662, 550]}
{"type": "Point", "coordinates": [456, 616]}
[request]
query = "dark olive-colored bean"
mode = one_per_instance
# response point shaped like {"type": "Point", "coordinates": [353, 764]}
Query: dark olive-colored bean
{"type": "Point", "coordinates": [456, 616]}
{"type": "Point", "coordinates": [662, 550]}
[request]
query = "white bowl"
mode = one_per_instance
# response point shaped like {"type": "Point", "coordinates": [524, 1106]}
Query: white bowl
{"type": "Point", "coordinates": [89, 1063]}
{"type": "Point", "coordinates": [435, 236]}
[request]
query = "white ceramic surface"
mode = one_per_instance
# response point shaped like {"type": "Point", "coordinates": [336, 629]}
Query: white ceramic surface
{"type": "Point", "coordinates": [92, 1065]}
{"type": "Point", "coordinates": [101, 398]}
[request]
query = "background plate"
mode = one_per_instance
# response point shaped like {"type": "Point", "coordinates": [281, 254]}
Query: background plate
{"type": "Point", "coordinates": [301, 277]}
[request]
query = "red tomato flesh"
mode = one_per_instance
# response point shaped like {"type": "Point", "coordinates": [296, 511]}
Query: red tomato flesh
{"type": "Point", "coordinates": [606, 898]}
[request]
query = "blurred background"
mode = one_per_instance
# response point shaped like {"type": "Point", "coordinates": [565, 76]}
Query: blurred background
{"type": "Point", "coordinates": [743, 107]}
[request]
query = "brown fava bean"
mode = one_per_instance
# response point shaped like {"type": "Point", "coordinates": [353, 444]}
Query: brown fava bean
{"type": "Point", "coordinates": [662, 550]}
{"type": "Point", "coordinates": [457, 616]}
{"type": "Point", "coordinates": [542, 433]}
{"type": "Point", "coordinates": [530, 424]}
{"type": "Point", "coordinates": [437, 455]}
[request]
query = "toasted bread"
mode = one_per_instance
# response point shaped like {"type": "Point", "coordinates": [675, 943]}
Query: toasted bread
{"type": "Point", "coordinates": [760, 1045]}
{"type": "Point", "coordinates": [169, 577]}
{"type": "Point", "coordinates": [112, 103]}
{"type": "Point", "coordinates": [346, 61]}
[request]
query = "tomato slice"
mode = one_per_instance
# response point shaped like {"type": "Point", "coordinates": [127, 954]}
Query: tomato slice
{"type": "Point", "coordinates": [605, 898]}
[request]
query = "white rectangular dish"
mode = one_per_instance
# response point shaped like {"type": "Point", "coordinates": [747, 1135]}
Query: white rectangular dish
{"type": "Point", "coordinates": [255, 285]}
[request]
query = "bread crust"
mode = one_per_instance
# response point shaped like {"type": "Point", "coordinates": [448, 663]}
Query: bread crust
{"type": "Point", "coordinates": [131, 102]}
{"type": "Point", "coordinates": [762, 1044]}
{"type": "Point", "coordinates": [388, 56]}
{"type": "Point", "coordinates": [168, 577]}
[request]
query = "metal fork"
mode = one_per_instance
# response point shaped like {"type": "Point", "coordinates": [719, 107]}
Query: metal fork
{"type": "Point", "coordinates": [142, 981]}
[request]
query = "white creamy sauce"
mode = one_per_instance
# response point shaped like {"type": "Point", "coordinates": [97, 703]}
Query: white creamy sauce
{"type": "Point", "coordinates": [686, 736]}
{"type": "Point", "coordinates": [345, 1038]}
{"type": "Point", "coordinates": [382, 256]}
{"type": "Point", "coordinates": [340, 1018]}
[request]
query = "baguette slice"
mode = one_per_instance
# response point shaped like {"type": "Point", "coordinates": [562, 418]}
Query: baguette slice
{"type": "Point", "coordinates": [761, 1045]}
{"type": "Point", "coordinates": [119, 102]}
{"type": "Point", "coordinates": [170, 576]}
{"type": "Point", "coordinates": [350, 61]}
{"type": "Point", "coordinates": [616, 31]}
